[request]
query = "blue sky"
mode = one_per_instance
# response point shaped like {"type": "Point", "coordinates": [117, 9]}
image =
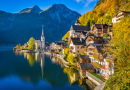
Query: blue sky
{"type": "Point", "coordinates": [14, 6]}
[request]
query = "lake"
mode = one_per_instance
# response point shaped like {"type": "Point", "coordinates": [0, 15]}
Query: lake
{"type": "Point", "coordinates": [35, 71]}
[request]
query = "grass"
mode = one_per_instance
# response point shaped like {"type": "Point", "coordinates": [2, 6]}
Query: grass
{"type": "Point", "coordinates": [99, 77]}
{"type": "Point", "coordinates": [96, 65]}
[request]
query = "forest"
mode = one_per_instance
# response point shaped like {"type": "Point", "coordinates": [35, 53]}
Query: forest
{"type": "Point", "coordinates": [104, 11]}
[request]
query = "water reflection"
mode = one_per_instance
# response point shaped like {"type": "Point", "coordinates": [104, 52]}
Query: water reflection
{"type": "Point", "coordinates": [33, 71]}
{"type": "Point", "coordinates": [72, 73]}
{"type": "Point", "coordinates": [50, 72]}
{"type": "Point", "coordinates": [37, 68]}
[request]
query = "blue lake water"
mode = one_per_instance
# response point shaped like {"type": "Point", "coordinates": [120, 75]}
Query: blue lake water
{"type": "Point", "coordinates": [22, 71]}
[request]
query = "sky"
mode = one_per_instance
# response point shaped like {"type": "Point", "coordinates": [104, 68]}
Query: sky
{"type": "Point", "coordinates": [80, 6]}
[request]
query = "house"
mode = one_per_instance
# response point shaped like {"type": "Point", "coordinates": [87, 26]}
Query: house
{"type": "Point", "coordinates": [52, 51]}
{"type": "Point", "coordinates": [90, 50]}
{"type": "Point", "coordinates": [84, 59]}
{"type": "Point", "coordinates": [47, 46]}
{"type": "Point", "coordinates": [120, 15]}
{"type": "Point", "coordinates": [111, 60]}
{"type": "Point", "coordinates": [78, 34]}
{"type": "Point", "coordinates": [53, 46]}
{"type": "Point", "coordinates": [98, 54]}
{"type": "Point", "coordinates": [57, 45]}
{"type": "Point", "coordinates": [76, 29]}
{"type": "Point", "coordinates": [99, 29]}
{"type": "Point", "coordinates": [76, 45]}
{"type": "Point", "coordinates": [83, 35]}
{"type": "Point", "coordinates": [37, 44]}
{"type": "Point", "coordinates": [98, 40]}
{"type": "Point", "coordinates": [25, 46]}
{"type": "Point", "coordinates": [83, 67]}
{"type": "Point", "coordinates": [89, 39]}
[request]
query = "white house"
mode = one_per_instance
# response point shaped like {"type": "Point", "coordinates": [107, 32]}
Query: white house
{"type": "Point", "coordinates": [120, 15]}
{"type": "Point", "coordinates": [76, 29]}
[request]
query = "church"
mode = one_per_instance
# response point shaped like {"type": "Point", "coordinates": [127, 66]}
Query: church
{"type": "Point", "coordinates": [41, 43]}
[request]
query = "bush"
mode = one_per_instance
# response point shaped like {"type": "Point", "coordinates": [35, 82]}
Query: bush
{"type": "Point", "coordinates": [105, 35]}
{"type": "Point", "coordinates": [71, 58]}
{"type": "Point", "coordinates": [119, 81]}
{"type": "Point", "coordinates": [65, 57]}
{"type": "Point", "coordinates": [95, 56]}
{"type": "Point", "coordinates": [38, 47]}
{"type": "Point", "coordinates": [96, 65]}
{"type": "Point", "coordinates": [60, 52]}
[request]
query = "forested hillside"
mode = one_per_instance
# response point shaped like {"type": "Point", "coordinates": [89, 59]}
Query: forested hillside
{"type": "Point", "coordinates": [104, 11]}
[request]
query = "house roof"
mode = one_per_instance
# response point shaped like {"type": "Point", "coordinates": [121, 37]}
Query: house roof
{"type": "Point", "coordinates": [84, 33]}
{"type": "Point", "coordinates": [86, 66]}
{"type": "Point", "coordinates": [78, 27]}
{"type": "Point", "coordinates": [60, 43]}
{"type": "Point", "coordinates": [99, 49]}
{"type": "Point", "coordinates": [37, 41]}
{"type": "Point", "coordinates": [123, 12]}
{"type": "Point", "coordinates": [47, 44]}
{"type": "Point", "coordinates": [99, 26]}
{"type": "Point", "coordinates": [84, 56]}
{"type": "Point", "coordinates": [93, 44]}
{"type": "Point", "coordinates": [76, 41]}
{"type": "Point", "coordinates": [89, 34]}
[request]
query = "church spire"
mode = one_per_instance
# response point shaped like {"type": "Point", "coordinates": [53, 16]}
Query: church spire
{"type": "Point", "coordinates": [42, 31]}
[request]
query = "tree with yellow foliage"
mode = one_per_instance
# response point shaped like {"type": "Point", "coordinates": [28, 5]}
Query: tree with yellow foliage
{"type": "Point", "coordinates": [31, 44]}
{"type": "Point", "coordinates": [66, 51]}
{"type": "Point", "coordinates": [121, 42]}
{"type": "Point", "coordinates": [104, 10]}
{"type": "Point", "coordinates": [66, 35]}
{"type": "Point", "coordinates": [71, 58]}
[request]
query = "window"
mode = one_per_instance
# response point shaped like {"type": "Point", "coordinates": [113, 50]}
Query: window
{"type": "Point", "coordinates": [78, 47]}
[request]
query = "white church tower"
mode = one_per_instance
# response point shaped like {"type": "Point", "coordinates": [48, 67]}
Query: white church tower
{"type": "Point", "coordinates": [42, 40]}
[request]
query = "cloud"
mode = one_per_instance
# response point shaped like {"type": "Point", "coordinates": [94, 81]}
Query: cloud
{"type": "Point", "coordinates": [79, 1]}
{"type": "Point", "coordinates": [86, 2]}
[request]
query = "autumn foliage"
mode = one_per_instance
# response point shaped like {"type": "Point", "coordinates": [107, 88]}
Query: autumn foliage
{"type": "Point", "coordinates": [121, 42]}
{"type": "Point", "coordinates": [104, 11]}
{"type": "Point", "coordinates": [65, 36]}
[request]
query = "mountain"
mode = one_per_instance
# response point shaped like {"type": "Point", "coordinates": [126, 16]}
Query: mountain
{"type": "Point", "coordinates": [6, 19]}
{"type": "Point", "coordinates": [34, 9]}
{"type": "Point", "coordinates": [104, 11]}
{"type": "Point", "coordinates": [57, 20]}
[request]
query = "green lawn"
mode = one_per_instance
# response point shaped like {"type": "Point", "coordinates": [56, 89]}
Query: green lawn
{"type": "Point", "coordinates": [99, 77]}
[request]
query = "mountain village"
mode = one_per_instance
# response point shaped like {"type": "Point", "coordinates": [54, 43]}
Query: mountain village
{"type": "Point", "coordinates": [87, 45]}
{"type": "Point", "coordinates": [83, 47]}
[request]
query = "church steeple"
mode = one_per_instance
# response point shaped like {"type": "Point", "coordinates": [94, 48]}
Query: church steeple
{"type": "Point", "coordinates": [42, 40]}
{"type": "Point", "coordinates": [42, 31]}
